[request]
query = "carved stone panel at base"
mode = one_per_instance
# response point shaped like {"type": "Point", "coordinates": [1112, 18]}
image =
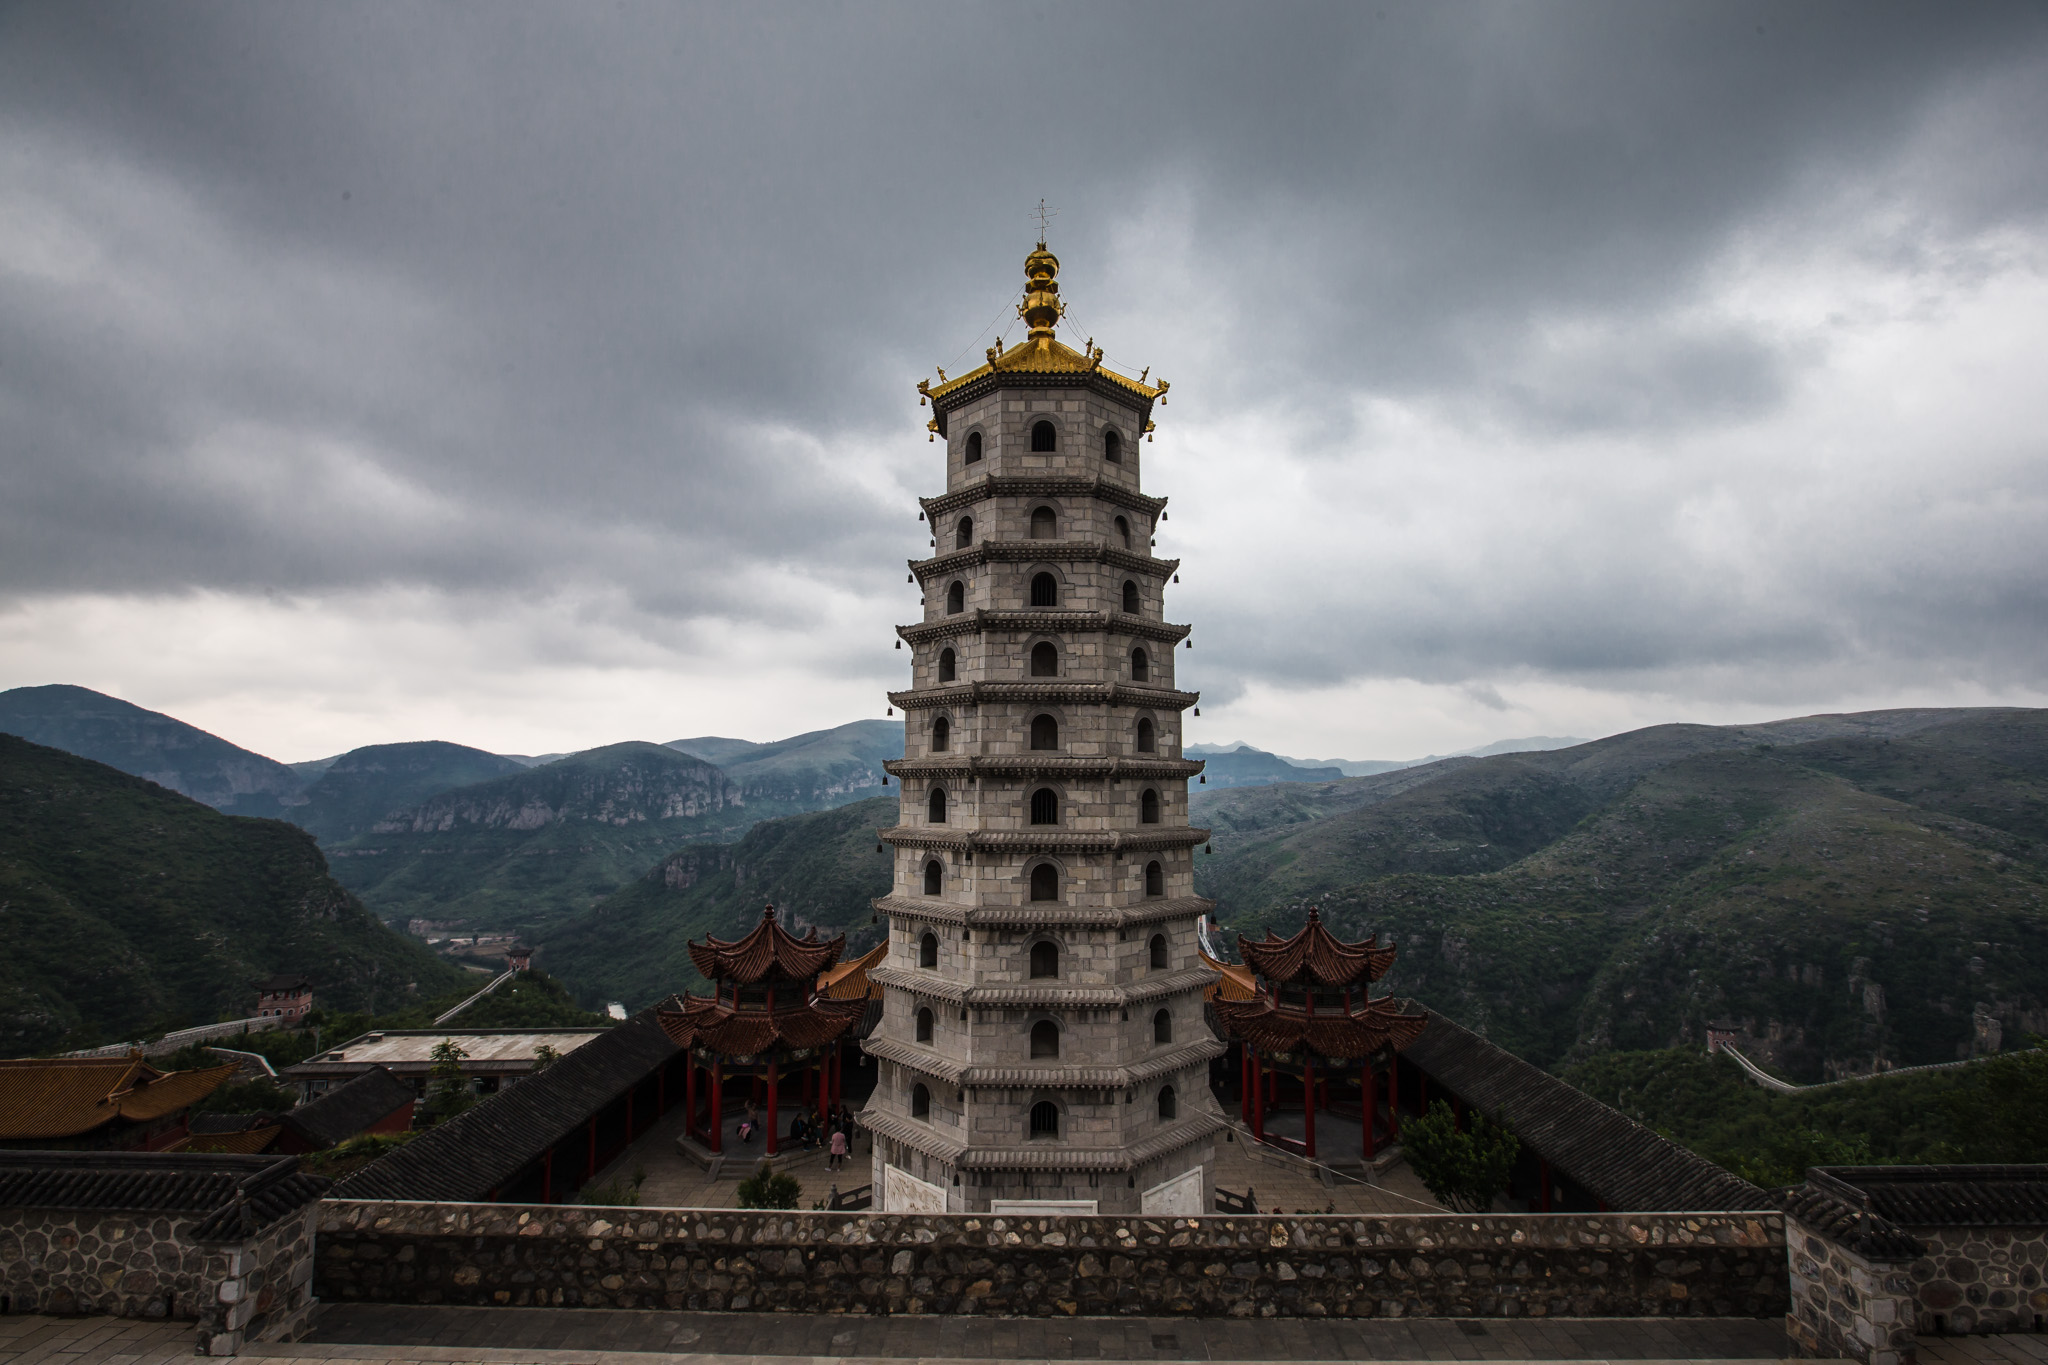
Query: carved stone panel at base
{"type": "Point", "coordinates": [903, 1192]}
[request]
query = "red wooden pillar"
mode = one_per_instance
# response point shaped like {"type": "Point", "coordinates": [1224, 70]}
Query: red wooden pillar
{"type": "Point", "coordinates": [1308, 1101]}
{"type": "Point", "coordinates": [1367, 1102]}
{"type": "Point", "coordinates": [718, 1105]}
{"type": "Point", "coordinates": [807, 1089]}
{"type": "Point", "coordinates": [1244, 1081]}
{"type": "Point", "coordinates": [1258, 1099]}
{"type": "Point", "coordinates": [774, 1084]}
{"type": "Point", "coordinates": [690, 1096]}
{"type": "Point", "coordinates": [1394, 1099]}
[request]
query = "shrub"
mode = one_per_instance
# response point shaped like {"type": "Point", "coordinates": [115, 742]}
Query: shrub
{"type": "Point", "coordinates": [1465, 1171]}
{"type": "Point", "coordinates": [767, 1189]}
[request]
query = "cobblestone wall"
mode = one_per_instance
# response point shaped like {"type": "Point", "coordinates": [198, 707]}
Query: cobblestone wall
{"type": "Point", "coordinates": [1435, 1266]}
{"type": "Point", "coordinates": [150, 1266]}
{"type": "Point", "coordinates": [1981, 1279]}
{"type": "Point", "coordinates": [1846, 1306]}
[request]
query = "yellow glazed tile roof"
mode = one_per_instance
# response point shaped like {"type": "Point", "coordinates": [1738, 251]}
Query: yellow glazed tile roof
{"type": "Point", "coordinates": [62, 1097]}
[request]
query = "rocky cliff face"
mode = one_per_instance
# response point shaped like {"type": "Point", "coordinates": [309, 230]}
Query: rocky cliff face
{"type": "Point", "coordinates": [620, 785]}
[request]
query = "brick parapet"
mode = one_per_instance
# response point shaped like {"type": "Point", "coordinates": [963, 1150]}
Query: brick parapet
{"type": "Point", "coordinates": [1694, 1264]}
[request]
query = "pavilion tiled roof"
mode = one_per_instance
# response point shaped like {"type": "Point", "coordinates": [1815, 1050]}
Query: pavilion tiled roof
{"type": "Point", "coordinates": [348, 1109]}
{"type": "Point", "coordinates": [1276, 1028]}
{"type": "Point", "coordinates": [1234, 981]}
{"type": "Point", "coordinates": [62, 1097]}
{"type": "Point", "coordinates": [1316, 955]}
{"type": "Point", "coordinates": [719, 1026]}
{"type": "Point", "coordinates": [768, 950]}
{"type": "Point", "coordinates": [240, 1195]}
{"type": "Point", "coordinates": [850, 980]}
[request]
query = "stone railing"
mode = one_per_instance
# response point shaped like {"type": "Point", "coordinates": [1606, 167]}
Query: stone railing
{"type": "Point", "coordinates": [1441, 1265]}
{"type": "Point", "coordinates": [185, 1037]}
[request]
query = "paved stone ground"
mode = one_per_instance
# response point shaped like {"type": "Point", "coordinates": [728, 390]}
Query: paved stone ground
{"type": "Point", "coordinates": [474, 1336]}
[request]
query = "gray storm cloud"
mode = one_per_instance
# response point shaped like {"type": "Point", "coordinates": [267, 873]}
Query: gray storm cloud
{"type": "Point", "coordinates": [512, 299]}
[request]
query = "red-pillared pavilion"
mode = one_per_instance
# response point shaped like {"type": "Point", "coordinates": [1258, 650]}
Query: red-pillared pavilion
{"type": "Point", "coordinates": [1308, 1014]}
{"type": "Point", "coordinates": [777, 1010]}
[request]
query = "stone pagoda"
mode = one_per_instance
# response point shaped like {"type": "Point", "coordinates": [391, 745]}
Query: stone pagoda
{"type": "Point", "coordinates": [1042, 1045]}
{"type": "Point", "coordinates": [1310, 1019]}
{"type": "Point", "coordinates": [767, 1021]}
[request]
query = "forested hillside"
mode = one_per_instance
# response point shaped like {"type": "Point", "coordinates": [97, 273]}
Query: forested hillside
{"type": "Point", "coordinates": [1876, 893]}
{"type": "Point", "coordinates": [818, 870]}
{"type": "Point", "coordinates": [126, 908]}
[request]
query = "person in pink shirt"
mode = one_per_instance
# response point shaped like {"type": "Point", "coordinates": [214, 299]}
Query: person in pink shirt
{"type": "Point", "coordinates": [836, 1155]}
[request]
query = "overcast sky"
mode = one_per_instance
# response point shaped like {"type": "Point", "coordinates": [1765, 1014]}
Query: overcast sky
{"type": "Point", "coordinates": [541, 376]}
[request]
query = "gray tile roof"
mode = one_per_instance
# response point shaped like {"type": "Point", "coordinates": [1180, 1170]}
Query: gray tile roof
{"type": "Point", "coordinates": [240, 1195]}
{"type": "Point", "coordinates": [1618, 1160]}
{"type": "Point", "coordinates": [348, 1109]}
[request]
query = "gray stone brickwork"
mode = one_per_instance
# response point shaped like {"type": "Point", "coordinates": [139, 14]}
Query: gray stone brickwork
{"type": "Point", "coordinates": [1845, 1304]}
{"type": "Point", "coordinates": [1980, 1280]}
{"type": "Point", "coordinates": [1528, 1266]}
{"type": "Point", "coordinates": [141, 1265]}
{"type": "Point", "coordinates": [1043, 739]}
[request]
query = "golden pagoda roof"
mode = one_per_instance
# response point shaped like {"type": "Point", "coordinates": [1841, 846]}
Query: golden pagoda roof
{"type": "Point", "coordinates": [1041, 353]}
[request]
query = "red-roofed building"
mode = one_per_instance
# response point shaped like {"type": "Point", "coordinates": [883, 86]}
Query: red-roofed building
{"type": "Point", "coordinates": [780, 1009]}
{"type": "Point", "coordinates": [286, 997]}
{"type": "Point", "coordinates": [1302, 1013]}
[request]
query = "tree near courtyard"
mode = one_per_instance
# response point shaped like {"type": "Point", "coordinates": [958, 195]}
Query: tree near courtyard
{"type": "Point", "coordinates": [1465, 1170]}
{"type": "Point", "coordinates": [448, 1089]}
{"type": "Point", "coordinates": [766, 1188]}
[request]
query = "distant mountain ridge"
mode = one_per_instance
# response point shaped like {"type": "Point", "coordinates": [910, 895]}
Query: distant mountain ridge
{"type": "Point", "coordinates": [1368, 767]}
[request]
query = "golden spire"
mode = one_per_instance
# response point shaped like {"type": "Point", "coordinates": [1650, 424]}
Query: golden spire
{"type": "Point", "coordinates": [1041, 309]}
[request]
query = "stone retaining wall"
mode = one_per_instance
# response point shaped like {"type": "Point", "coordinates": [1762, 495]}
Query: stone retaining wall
{"type": "Point", "coordinates": [1444, 1265]}
{"type": "Point", "coordinates": [1981, 1280]}
{"type": "Point", "coordinates": [150, 1266]}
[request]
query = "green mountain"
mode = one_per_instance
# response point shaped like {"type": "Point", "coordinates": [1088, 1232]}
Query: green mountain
{"type": "Point", "coordinates": [1245, 766]}
{"type": "Point", "coordinates": [149, 744]}
{"type": "Point", "coordinates": [536, 847]}
{"type": "Point", "coordinates": [357, 789]}
{"type": "Point", "coordinates": [806, 772]}
{"type": "Point", "coordinates": [819, 869]}
{"type": "Point", "coordinates": [127, 908]}
{"type": "Point", "coordinates": [1872, 894]}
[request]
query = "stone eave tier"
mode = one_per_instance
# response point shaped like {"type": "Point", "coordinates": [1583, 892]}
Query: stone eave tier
{"type": "Point", "coordinates": [1046, 839]}
{"type": "Point", "coordinates": [1042, 915]}
{"type": "Point", "coordinates": [976, 384]}
{"type": "Point", "coordinates": [1034, 551]}
{"type": "Point", "coordinates": [1047, 995]}
{"type": "Point", "coordinates": [1040, 486]}
{"type": "Point", "coordinates": [1045, 765]}
{"type": "Point", "coordinates": [1047, 693]}
{"type": "Point", "coordinates": [1050, 1155]}
{"type": "Point", "coordinates": [1044, 621]}
{"type": "Point", "coordinates": [1044, 1075]}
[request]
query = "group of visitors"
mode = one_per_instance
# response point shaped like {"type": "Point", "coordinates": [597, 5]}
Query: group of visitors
{"type": "Point", "coordinates": [809, 1129]}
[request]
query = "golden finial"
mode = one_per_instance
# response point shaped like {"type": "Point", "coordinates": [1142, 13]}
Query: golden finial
{"type": "Point", "coordinates": [1041, 308]}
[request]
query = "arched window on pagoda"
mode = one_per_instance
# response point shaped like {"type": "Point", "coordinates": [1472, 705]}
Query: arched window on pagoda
{"type": "Point", "coordinates": [1045, 1039]}
{"type": "Point", "coordinates": [1147, 736]}
{"type": "Point", "coordinates": [935, 806]}
{"type": "Point", "coordinates": [942, 734]}
{"type": "Point", "coordinates": [928, 947]}
{"type": "Point", "coordinates": [1162, 1027]}
{"type": "Point", "coordinates": [1045, 660]}
{"type": "Point", "coordinates": [1045, 1119]}
{"type": "Point", "coordinates": [973, 447]}
{"type": "Point", "coordinates": [920, 1101]}
{"type": "Point", "coordinates": [963, 534]}
{"type": "Point", "coordinates": [1123, 531]}
{"type": "Point", "coordinates": [1045, 882]}
{"type": "Point", "coordinates": [1131, 603]}
{"type": "Point", "coordinates": [947, 666]}
{"type": "Point", "coordinates": [1155, 879]}
{"type": "Point", "coordinates": [934, 883]}
{"type": "Point", "coordinates": [924, 1025]}
{"type": "Point", "coordinates": [956, 598]}
{"type": "Point", "coordinates": [1169, 1103]}
{"type": "Point", "coordinates": [1045, 807]}
{"type": "Point", "coordinates": [1158, 952]}
{"type": "Point", "coordinates": [1141, 667]}
{"type": "Point", "coordinates": [1045, 437]}
{"type": "Point", "coordinates": [1045, 590]}
{"type": "Point", "coordinates": [1148, 807]}
{"type": "Point", "coordinates": [1045, 960]}
{"type": "Point", "coordinates": [1045, 524]}
{"type": "Point", "coordinates": [1045, 732]}
{"type": "Point", "coordinates": [1112, 446]}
